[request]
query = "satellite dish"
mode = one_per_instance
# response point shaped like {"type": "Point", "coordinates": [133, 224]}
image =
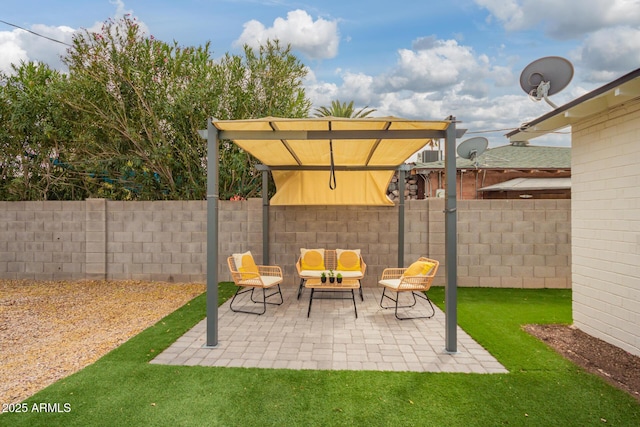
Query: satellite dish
{"type": "Point", "coordinates": [472, 148]}
{"type": "Point", "coordinates": [546, 76]}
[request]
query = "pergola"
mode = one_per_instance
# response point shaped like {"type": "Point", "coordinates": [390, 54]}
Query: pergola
{"type": "Point", "coordinates": [303, 154]}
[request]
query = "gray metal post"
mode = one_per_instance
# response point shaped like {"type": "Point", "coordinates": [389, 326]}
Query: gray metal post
{"type": "Point", "coordinates": [401, 189]}
{"type": "Point", "coordinates": [451, 241]}
{"type": "Point", "coordinates": [265, 217]}
{"type": "Point", "coordinates": [212, 234]}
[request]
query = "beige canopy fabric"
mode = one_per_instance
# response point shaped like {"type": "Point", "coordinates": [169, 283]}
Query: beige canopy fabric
{"type": "Point", "coordinates": [312, 188]}
{"type": "Point", "coordinates": [366, 152]}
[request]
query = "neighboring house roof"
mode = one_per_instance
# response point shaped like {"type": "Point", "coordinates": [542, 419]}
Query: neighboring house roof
{"type": "Point", "coordinates": [531, 184]}
{"type": "Point", "coordinates": [604, 98]}
{"type": "Point", "coordinates": [513, 156]}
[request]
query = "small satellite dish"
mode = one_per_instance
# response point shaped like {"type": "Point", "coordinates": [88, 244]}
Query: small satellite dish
{"type": "Point", "coordinates": [546, 76]}
{"type": "Point", "coordinates": [472, 148]}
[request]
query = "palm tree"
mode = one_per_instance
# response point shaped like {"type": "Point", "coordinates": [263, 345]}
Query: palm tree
{"type": "Point", "coordinates": [339, 109]}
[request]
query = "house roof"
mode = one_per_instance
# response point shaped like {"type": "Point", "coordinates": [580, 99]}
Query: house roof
{"type": "Point", "coordinates": [512, 156]}
{"type": "Point", "coordinates": [531, 184]}
{"type": "Point", "coordinates": [606, 97]}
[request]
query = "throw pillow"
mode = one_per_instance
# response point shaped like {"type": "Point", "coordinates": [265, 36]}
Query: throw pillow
{"type": "Point", "coordinates": [312, 259]}
{"type": "Point", "coordinates": [245, 264]}
{"type": "Point", "coordinates": [419, 268]}
{"type": "Point", "coordinates": [348, 259]}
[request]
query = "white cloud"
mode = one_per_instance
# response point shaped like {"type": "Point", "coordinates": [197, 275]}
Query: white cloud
{"type": "Point", "coordinates": [120, 8]}
{"type": "Point", "coordinates": [435, 65]}
{"type": "Point", "coordinates": [44, 50]}
{"type": "Point", "coordinates": [608, 30]}
{"type": "Point", "coordinates": [12, 52]}
{"type": "Point", "coordinates": [359, 87]}
{"type": "Point", "coordinates": [435, 79]}
{"type": "Point", "coordinates": [503, 76]}
{"type": "Point", "coordinates": [509, 12]}
{"type": "Point", "coordinates": [20, 45]}
{"type": "Point", "coordinates": [563, 19]}
{"type": "Point", "coordinates": [120, 12]}
{"type": "Point", "coordinates": [315, 39]}
{"type": "Point", "coordinates": [320, 93]}
{"type": "Point", "coordinates": [608, 53]}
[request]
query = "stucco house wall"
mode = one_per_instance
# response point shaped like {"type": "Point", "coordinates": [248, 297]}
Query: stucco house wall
{"type": "Point", "coordinates": [606, 225]}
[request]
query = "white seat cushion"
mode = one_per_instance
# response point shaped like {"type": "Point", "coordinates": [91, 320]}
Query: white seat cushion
{"type": "Point", "coordinates": [318, 273]}
{"type": "Point", "coordinates": [350, 274]}
{"type": "Point", "coordinates": [313, 273]}
{"type": "Point", "coordinates": [390, 283]}
{"type": "Point", "coordinates": [268, 281]}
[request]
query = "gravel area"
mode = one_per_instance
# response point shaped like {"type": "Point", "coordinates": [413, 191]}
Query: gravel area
{"type": "Point", "coordinates": [49, 330]}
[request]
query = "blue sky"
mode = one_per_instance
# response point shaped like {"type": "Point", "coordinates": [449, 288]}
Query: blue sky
{"type": "Point", "coordinates": [413, 59]}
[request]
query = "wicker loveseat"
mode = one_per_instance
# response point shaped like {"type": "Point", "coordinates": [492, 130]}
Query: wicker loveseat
{"type": "Point", "coordinates": [346, 262]}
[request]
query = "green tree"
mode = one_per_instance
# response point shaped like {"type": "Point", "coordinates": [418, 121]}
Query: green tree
{"type": "Point", "coordinates": [339, 109]}
{"type": "Point", "coordinates": [140, 101]}
{"type": "Point", "coordinates": [260, 84]}
{"type": "Point", "coordinates": [34, 157]}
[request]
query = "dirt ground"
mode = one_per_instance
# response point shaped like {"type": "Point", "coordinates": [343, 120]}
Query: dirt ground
{"type": "Point", "coordinates": [616, 366]}
{"type": "Point", "coordinates": [49, 330]}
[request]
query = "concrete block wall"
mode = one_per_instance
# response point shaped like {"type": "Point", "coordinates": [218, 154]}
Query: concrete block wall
{"type": "Point", "coordinates": [240, 230]}
{"type": "Point", "coordinates": [158, 240]}
{"type": "Point", "coordinates": [373, 230]}
{"type": "Point", "coordinates": [606, 226]}
{"type": "Point", "coordinates": [514, 243]}
{"type": "Point", "coordinates": [95, 238]}
{"type": "Point", "coordinates": [501, 243]}
{"type": "Point", "coordinates": [42, 240]}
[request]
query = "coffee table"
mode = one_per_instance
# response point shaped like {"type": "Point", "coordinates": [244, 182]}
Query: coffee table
{"type": "Point", "coordinates": [347, 285]}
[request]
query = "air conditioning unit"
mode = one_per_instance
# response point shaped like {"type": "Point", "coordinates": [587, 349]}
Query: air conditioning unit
{"type": "Point", "coordinates": [428, 156]}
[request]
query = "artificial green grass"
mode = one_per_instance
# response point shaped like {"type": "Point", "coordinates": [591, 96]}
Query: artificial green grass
{"type": "Point", "coordinates": [541, 389]}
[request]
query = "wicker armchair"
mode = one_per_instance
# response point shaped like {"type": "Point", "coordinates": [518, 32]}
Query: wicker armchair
{"type": "Point", "coordinates": [397, 280]}
{"type": "Point", "coordinates": [267, 277]}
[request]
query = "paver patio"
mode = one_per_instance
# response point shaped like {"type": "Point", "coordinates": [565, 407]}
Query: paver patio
{"type": "Point", "coordinates": [331, 338]}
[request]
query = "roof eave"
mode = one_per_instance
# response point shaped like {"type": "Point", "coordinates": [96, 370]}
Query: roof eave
{"type": "Point", "coordinates": [614, 93]}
